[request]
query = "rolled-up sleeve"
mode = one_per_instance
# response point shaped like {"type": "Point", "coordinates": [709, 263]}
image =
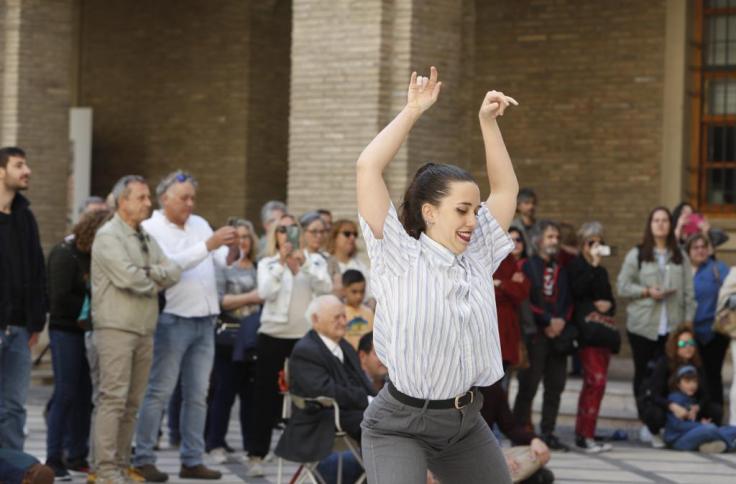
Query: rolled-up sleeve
{"type": "Point", "coordinates": [489, 244]}
{"type": "Point", "coordinates": [395, 250]}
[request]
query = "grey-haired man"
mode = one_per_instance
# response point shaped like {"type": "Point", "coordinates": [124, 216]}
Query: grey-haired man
{"type": "Point", "coordinates": [184, 344]}
{"type": "Point", "coordinates": [128, 271]}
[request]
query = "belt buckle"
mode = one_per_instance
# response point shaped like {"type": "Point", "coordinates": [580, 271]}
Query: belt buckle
{"type": "Point", "coordinates": [457, 400]}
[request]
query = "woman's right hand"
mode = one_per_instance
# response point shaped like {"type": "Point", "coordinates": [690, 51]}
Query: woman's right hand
{"type": "Point", "coordinates": [423, 91]}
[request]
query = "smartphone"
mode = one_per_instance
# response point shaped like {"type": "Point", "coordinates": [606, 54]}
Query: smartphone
{"type": "Point", "coordinates": [292, 236]}
{"type": "Point", "coordinates": [604, 250]}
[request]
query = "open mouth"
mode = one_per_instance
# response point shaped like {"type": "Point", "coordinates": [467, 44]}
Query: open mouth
{"type": "Point", "coordinates": [464, 236]}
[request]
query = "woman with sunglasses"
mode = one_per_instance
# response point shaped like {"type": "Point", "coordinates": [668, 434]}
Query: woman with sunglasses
{"type": "Point", "coordinates": [655, 277]}
{"type": "Point", "coordinates": [593, 298]}
{"type": "Point", "coordinates": [708, 276]}
{"type": "Point", "coordinates": [680, 349]}
{"type": "Point", "coordinates": [288, 279]}
{"type": "Point", "coordinates": [436, 326]}
{"type": "Point", "coordinates": [342, 246]}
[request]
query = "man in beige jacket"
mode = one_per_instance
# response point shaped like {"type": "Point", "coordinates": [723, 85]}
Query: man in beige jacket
{"type": "Point", "coordinates": [128, 271]}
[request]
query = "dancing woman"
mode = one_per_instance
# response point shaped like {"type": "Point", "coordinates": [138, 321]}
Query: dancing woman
{"type": "Point", "coordinates": [436, 327]}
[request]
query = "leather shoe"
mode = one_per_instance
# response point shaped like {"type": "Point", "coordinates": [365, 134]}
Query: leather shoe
{"type": "Point", "coordinates": [199, 472]}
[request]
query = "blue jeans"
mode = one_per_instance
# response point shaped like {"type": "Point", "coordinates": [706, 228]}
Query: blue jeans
{"type": "Point", "coordinates": [351, 469]}
{"type": "Point", "coordinates": [71, 404]}
{"type": "Point", "coordinates": [13, 465]}
{"type": "Point", "coordinates": [706, 433]}
{"type": "Point", "coordinates": [174, 413]}
{"type": "Point", "coordinates": [229, 378]}
{"type": "Point", "coordinates": [186, 345]}
{"type": "Point", "coordinates": [15, 374]}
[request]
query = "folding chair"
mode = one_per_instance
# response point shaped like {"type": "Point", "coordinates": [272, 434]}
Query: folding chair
{"type": "Point", "coordinates": [343, 442]}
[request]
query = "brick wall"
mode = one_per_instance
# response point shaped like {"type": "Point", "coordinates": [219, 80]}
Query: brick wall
{"type": "Point", "coordinates": [174, 84]}
{"type": "Point", "coordinates": [44, 93]}
{"type": "Point", "coordinates": [589, 77]}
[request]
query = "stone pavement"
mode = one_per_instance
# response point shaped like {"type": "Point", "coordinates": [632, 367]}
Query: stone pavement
{"type": "Point", "coordinates": [629, 462]}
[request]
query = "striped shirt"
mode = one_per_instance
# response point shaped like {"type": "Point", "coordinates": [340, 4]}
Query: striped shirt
{"type": "Point", "coordinates": [436, 326]}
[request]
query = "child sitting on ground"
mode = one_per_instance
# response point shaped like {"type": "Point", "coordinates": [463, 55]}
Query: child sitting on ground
{"type": "Point", "coordinates": [683, 430]}
{"type": "Point", "coordinates": [359, 316]}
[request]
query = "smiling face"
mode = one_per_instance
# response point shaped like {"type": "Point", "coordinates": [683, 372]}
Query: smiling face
{"type": "Point", "coordinates": [452, 222]}
{"type": "Point", "coordinates": [16, 175]}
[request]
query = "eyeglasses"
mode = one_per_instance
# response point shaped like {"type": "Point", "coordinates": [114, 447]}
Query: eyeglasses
{"type": "Point", "coordinates": [687, 342]}
{"type": "Point", "coordinates": [348, 233]}
{"type": "Point", "coordinates": [143, 240]}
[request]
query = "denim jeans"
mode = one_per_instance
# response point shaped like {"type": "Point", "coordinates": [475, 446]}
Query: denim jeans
{"type": "Point", "coordinates": [13, 465]}
{"type": "Point", "coordinates": [186, 345]}
{"type": "Point", "coordinates": [706, 433]}
{"type": "Point", "coordinates": [71, 407]}
{"type": "Point", "coordinates": [15, 374]}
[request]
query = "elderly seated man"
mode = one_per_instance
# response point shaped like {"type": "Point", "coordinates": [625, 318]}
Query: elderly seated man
{"type": "Point", "coordinates": [323, 364]}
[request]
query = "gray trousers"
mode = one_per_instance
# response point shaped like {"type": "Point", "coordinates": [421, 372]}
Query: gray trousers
{"type": "Point", "coordinates": [400, 442]}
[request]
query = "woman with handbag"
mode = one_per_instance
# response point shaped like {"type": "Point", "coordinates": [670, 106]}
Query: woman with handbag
{"type": "Point", "coordinates": [594, 308]}
{"type": "Point", "coordinates": [655, 277]}
{"type": "Point", "coordinates": [708, 276]}
{"type": "Point", "coordinates": [236, 328]}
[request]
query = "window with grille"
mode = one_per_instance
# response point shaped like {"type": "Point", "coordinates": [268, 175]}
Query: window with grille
{"type": "Point", "coordinates": [714, 106]}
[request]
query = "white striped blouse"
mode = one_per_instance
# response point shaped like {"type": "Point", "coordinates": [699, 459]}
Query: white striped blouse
{"type": "Point", "coordinates": [436, 325]}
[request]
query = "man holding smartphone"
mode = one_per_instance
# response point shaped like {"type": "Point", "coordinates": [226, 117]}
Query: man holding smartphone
{"type": "Point", "coordinates": [184, 341]}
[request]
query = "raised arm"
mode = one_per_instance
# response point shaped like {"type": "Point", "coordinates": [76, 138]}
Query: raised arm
{"type": "Point", "coordinates": [503, 182]}
{"type": "Point", "coordinates": [373, 197]}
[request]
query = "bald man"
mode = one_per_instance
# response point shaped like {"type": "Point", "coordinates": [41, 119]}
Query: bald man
{"type": "Point", "coordinates": [324, 364]}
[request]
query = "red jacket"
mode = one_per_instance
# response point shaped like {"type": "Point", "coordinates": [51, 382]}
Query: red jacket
{"type": "Point", "coordinates": [509, 296]}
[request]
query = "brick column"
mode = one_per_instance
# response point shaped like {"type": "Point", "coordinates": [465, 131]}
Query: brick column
{"type": "Point", "coordinates": [35, 91]}
{"type": "Point", "coordinates": [350, 68]}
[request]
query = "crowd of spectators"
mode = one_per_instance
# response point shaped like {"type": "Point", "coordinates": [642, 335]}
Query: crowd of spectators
{"type": "Point", "coordinates": [147, 303]}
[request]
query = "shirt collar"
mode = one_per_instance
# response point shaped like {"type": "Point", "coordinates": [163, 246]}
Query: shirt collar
{"type": "Point", "coordinates": [438, 254]}
{"type": "Point", "coordinates": [331, 345]}
{"type": "Point", "coordinates": [127, 229]}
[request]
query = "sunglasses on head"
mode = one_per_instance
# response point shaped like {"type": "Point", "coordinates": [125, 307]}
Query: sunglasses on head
{"type": "Point", "coordinates": [687, 342]}
{"type": "Point", "coordinates": [348, 233]}
{"type": "Point", "coordinates": [182, 177]}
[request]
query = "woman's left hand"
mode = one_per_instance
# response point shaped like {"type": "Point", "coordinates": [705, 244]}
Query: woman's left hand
{"type": "Point", "coordinates": [494, 105]}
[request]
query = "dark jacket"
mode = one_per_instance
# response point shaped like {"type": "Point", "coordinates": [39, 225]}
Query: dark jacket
{"type": "Point", "coordinates": [27, 282]}
{"type": "Point", "coordinates": [68, 272]}
{"type": "Point", "coordinates": [496, 411]}
{"type": "Point", "coordinates": [315, 372]}
{"type": "Point", "coordinates": [588, 284]}
{"type": "Point", "coordinates": [558, 304]}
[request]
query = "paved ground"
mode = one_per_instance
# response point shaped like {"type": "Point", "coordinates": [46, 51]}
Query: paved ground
{"type": "Point", "coordinates": [629, 462]}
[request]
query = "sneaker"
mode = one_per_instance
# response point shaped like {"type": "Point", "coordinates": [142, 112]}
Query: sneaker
{"type": "Point", "coordinates": [133, 475]}
{"type": "Point", "coordinates": [78, 465]}
{"type": "Point", "coordinates": [39, 474]}
{"type": "Point", "coordinates": [554, 443]}
{"type": "Point", "coordinates": [150, 473]}
{"type": "Point", "coordinates": [218, 455]}
{"type": "Point", "coordinates": [199, 472]}
{"type": "Point", "coordinates": [270, 457]}
{"type": "Point", "coordinates": [645, 435]}
{"type": "Point", "coordinates": [255, 467]}
{"type": "Point", "coordinates": [657, 442]}
{"type": "Point", "coordinates": [60, 472]}
{"type": "Point", "coordinates": [590, 446]}
{"type": "Point", "coordinates": [228, 449]}
{"type": "Point", "coordinates": [714, 447]}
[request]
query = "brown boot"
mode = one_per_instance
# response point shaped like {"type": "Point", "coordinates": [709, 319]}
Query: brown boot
{"type": "Point", "coordinates": [39, 474]}
{"type": "Point", "coordinates": [151, 474]}
{"type": "Point", "coordinates": [199, 472]}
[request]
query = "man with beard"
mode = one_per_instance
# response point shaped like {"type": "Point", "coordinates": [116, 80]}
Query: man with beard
{"type": "Point", "coordinates": [23, 301]}
{"type": "Point", "coordinates": [551, 305]}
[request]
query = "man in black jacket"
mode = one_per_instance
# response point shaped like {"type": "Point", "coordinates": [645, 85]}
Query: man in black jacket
{"type": "Point", "coordinates": [23, 301]}
{"type": "Point", "coordinates": [323, 364]}
{"type": "Point", "coordinates": [551, 304]}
